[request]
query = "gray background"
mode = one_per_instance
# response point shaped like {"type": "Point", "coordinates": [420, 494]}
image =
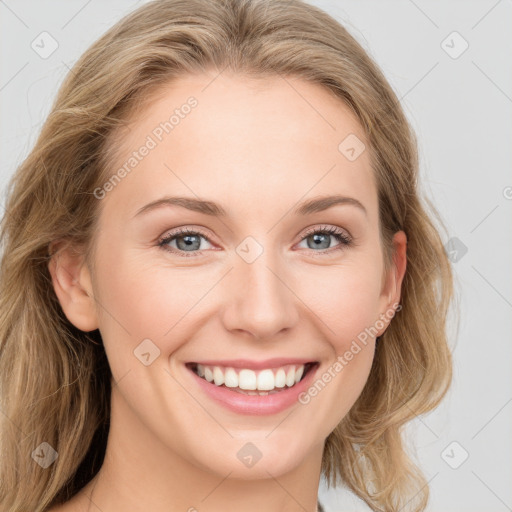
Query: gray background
{"type": "Point", "coordinates": [460, 105]}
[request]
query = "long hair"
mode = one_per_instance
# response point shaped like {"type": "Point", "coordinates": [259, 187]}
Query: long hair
{"type": "Point", "coordinates": [55, 379]}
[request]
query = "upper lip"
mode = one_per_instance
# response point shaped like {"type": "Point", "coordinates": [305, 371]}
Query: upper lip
{"type": "Point", "coordinates": [254, 365]}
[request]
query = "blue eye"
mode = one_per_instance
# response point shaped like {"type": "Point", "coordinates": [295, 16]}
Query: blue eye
{"type": "Point", "coordinates": [322, 236]}
{"type": "Point", "coordinates": [189, 241]}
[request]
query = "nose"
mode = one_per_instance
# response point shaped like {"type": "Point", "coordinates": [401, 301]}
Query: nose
{"type": "Point", "coordinates": [261, 300]}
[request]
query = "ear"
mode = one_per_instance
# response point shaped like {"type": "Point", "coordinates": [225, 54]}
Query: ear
{"type": "Point", "coordinates": [73, 286]}
{"type": "Point", "coordinates": [392, 281]}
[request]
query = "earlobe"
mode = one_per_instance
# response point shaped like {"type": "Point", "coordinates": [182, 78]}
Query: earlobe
{"type": "Point", "coordinates": [73, 287]}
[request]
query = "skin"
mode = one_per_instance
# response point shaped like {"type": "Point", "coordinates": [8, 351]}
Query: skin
{"type": "Point", "coordinates": [258, 148]}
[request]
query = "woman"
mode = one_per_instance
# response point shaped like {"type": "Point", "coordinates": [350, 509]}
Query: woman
{"type": "Point", "coordinates": [219, 279]}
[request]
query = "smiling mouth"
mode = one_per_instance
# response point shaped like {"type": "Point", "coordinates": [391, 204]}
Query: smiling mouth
{"type": "Point", "coordinates": [250, 382]}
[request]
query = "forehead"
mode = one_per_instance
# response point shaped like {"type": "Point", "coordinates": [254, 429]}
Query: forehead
{"type": "Point", "coordinates": [245, 142]}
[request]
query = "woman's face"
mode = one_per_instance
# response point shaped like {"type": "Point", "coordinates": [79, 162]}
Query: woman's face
{"type": "Point", "coordinates": [269, 284]}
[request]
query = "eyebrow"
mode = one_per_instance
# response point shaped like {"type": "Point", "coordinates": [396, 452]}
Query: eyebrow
{"type": "Point", "coordinates": [317, 204]}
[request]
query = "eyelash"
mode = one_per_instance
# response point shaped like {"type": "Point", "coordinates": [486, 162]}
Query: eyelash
{"type": "Point", "coordinates": [344, 240]}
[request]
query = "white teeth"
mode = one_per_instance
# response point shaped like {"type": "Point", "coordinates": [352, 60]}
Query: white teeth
{"type": "Point", "coordinates": [231, 378]}
{"type": "Point", "coordinates": [280, 379]}
{"type": "Point", "coordinates": [208, 374]}
{"type": "Point", "coordinates": [290, 377]}
{"type": "Point", "coordinates": [266, 380]}
{"type": "Point", "coordinates": [247, 379]}
{"type": "Point", "coordinates": [218, 376]}
{"type": "Point", "coordinates": [251, 382]}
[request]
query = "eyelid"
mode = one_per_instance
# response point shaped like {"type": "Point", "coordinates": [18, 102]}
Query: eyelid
{"type": "Point", "coordinates": [326, 228]}
{"type": "Point", "coordinates": [199, 230]}
{"type": "Point", "coordinates": [343, 236]}
{"type": "Point", "coordinates": [171, 233]}
{"type": "Point", "coordinates": [337, 232]}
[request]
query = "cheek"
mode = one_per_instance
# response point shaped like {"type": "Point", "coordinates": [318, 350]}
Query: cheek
{"type": "Point", "coordinates": [347, 307]}
{"type": "Point", "coordinates": [144, 297]}
{"type": "Point", "coordinates": [345, 299]}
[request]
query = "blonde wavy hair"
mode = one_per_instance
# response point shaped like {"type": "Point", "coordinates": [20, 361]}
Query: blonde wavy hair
{"type": "Point", "coordinates": [55, 379]}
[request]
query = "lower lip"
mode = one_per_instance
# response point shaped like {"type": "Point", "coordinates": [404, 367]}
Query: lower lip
{"type": "Point", "coordinates": [255, 404]}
